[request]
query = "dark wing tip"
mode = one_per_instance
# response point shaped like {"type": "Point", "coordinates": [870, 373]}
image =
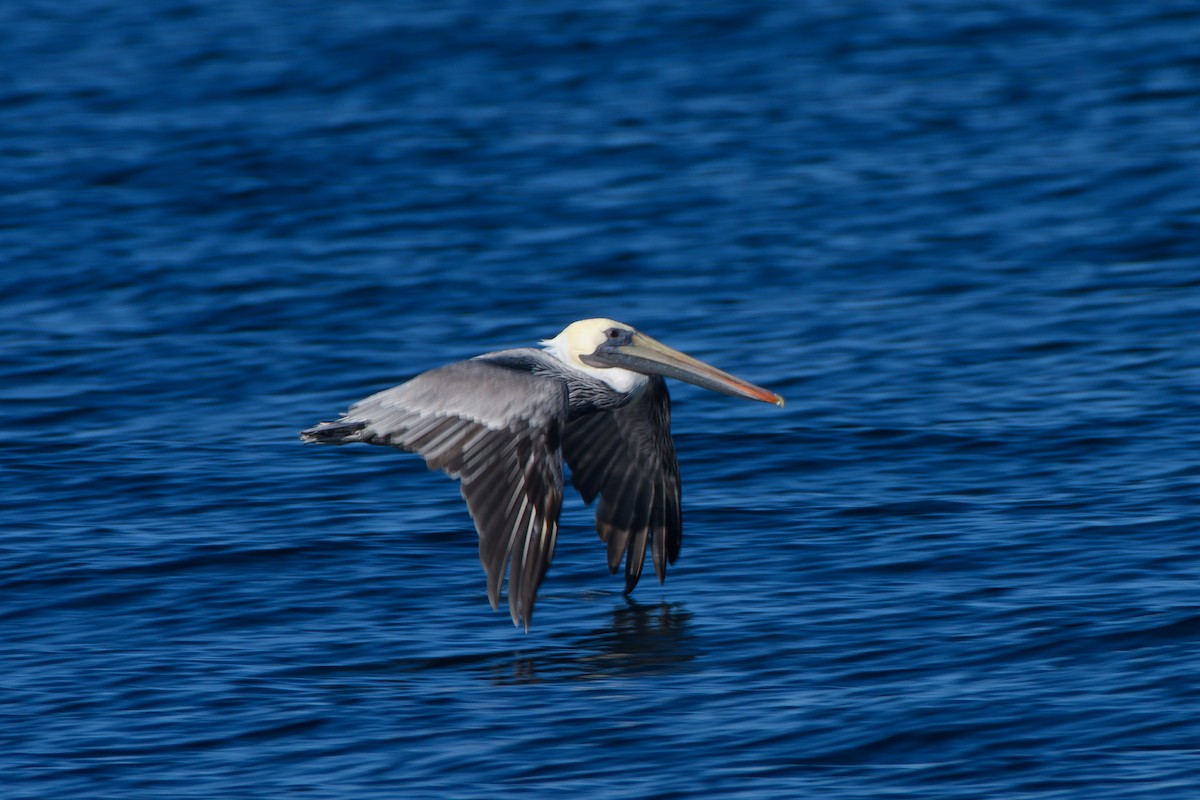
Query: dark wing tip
{"type": "Point", "coordinates": [334, 432]}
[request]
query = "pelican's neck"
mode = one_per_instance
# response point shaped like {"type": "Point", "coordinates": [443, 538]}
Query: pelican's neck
{"type": "Point", "coordinates": [624, 381]}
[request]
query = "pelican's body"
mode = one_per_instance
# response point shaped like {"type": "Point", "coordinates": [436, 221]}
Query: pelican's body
{"type": "Point", "coordinates": [502, 423]}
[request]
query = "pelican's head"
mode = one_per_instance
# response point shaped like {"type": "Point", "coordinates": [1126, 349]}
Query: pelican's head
{"type": "Point", "coordinates": [620, 356]}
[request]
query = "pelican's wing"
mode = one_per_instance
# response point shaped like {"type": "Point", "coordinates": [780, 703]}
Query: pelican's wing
{"type": "Point", "coordinates": [627, 458]}
{"type": "Point", "coordinates": [498, 431]}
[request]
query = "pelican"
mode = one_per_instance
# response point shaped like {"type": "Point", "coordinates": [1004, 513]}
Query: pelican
{"type": "Point", "coordinates": [502, 423]}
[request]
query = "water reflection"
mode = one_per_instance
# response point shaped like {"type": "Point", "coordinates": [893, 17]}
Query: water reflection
{"type": "Point", "coordinates": [640, 639]}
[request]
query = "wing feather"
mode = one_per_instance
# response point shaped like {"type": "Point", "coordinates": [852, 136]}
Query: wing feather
{"type": "Point", "coordinates": [495, 428]}
{"type": "Point", "coordinates": [627, 459]}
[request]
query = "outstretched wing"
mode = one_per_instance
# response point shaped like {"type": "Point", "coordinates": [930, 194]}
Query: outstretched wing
{"type": "Point", "coordinates": [626, 456]}
{"type": "Point", "coordinates": [497, 430]}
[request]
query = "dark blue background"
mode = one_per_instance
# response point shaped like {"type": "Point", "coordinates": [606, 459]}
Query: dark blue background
{"type": "Point", "coordinates": [963, 240]}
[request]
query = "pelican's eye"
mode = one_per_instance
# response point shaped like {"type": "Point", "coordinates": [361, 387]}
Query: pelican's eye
{"type": "Point", "coordinates": [618, 335]}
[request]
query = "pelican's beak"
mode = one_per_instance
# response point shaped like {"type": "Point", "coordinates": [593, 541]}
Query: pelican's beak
{"type": "Point", "coordinates": [651, 357]}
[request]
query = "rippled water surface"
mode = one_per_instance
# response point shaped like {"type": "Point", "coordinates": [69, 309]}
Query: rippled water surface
{"type": "Point", "coordinates": [962, 239]}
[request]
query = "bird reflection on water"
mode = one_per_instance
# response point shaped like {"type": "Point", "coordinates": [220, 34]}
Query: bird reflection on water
{"type": "Point", "coordinates": [642, 639]}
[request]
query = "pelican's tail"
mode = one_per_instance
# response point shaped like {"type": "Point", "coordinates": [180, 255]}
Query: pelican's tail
{"type": "Point", "coordinates": [339, 432]}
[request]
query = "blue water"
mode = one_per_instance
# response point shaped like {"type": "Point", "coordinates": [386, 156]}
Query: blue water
{"type": "Point", "coordinates": [962, 239]}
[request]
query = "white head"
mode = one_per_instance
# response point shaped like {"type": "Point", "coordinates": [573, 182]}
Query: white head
{"type": "Point", "coordinates": [583, 338]}
{"type": "Point", "coordinates": [622, 357]}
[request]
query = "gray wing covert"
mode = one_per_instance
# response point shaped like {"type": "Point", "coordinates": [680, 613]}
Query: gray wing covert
{"type": "Point", "coordinates": [498, 431]}
{"type": "Point", "coordinates": [627, 458]}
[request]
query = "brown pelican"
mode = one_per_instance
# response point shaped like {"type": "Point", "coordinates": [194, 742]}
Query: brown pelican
{"type": "Point", "coordinates": [503, 422]}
